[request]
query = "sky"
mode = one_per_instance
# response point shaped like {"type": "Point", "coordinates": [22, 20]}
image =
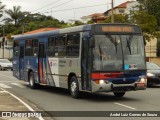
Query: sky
{"type": "Point", "coordinates": [58, 8]}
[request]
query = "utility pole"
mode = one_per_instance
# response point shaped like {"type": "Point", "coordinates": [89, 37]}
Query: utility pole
{"type": "Point", "coordinates": [112, 16]}
{"type": "Point", "coordinates": [3, 40]}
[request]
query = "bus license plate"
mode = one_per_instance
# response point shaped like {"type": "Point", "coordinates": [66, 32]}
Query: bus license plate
{"type": "Point", "coordinates": [140, 85]}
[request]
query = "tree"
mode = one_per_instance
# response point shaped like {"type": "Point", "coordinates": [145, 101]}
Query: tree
{"type": "Point", "coordinates": [118, 18]}
{"type": "Point", "coordinates": [19, 22]}
{"type": "Point", "coordinates": [152, 7]}
{"type": "Point", "coordinates": [147, 22]}
{"type": "Point", "coordinates": [1, 9]}
{"type": "Point", "coordinates": [15, 14]}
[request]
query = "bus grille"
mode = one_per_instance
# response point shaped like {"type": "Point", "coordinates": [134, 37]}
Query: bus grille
{"type": "Point", "coordinates": [123, 81]}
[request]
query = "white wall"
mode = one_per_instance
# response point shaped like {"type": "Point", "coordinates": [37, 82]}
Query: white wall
{"type": "Point", "coordinates": [151, 48]}
{"type": "Point", "coordinates": [7, 53]}
{"type": "Point", "coordinates": [132, 7]}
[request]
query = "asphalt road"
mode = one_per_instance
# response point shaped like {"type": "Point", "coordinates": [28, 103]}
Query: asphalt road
{"type": "Point", "coordinates": [56, 99]}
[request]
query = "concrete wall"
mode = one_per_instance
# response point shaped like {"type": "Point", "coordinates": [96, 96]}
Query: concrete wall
{"type": "Point", "coordinates": [151, 48]}
{"type": "Point", "coordinates": [7, 53]}
{"type": "Point", "coordinates": [155, 60]}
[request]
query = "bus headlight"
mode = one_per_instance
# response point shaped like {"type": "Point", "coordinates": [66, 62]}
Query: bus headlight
{"type": "Point", "coordinates": [143, 79]}
{"type": "Point", "coordinates": [101, 81]}
{"type": "Point", "coordinates": [104, 81]}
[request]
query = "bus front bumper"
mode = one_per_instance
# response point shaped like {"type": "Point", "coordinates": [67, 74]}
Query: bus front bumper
{"type": "Point", "coordinates": [110, 87]}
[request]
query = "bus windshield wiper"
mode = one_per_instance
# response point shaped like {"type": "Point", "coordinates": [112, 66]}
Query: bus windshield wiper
{"type": "Point", "coordinates": [129, 40]}
{"type": "Point", "coordinates": [114, 41]}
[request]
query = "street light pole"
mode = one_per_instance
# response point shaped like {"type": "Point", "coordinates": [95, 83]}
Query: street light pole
{"type": "Point", "coordinates": [112, 16]}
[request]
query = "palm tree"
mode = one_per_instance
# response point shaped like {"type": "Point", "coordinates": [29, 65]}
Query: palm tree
{"type": "Point", "coordinates": [1, 9]}
{"type": "Point", "coordinates": [14, 14]}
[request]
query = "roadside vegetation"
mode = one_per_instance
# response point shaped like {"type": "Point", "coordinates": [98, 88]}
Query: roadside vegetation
{"type": "Point", "coordinates": [147, 16]}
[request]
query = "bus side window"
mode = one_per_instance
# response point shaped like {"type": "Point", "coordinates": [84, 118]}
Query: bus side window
{"type": "Point", "coordinates": [73, 42]}
{"type": "Point", "coordinates": [16, 48]}
{"type": "Point", "coordinates": [35, 47]}
{"type": "Point", "coordinates": [28, 48]}
{"type": "Point", "coordinates": [60, 48]}
{"type": "Point", "coordinates": [51, 46]}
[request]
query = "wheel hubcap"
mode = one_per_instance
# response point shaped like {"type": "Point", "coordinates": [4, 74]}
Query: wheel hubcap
{"type": "Point", "coordinates": [31, 81]}
{"type": "Point", "coordinates": [73, 87]}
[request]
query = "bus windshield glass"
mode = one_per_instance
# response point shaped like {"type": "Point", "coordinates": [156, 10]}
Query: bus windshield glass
{"type": "Point", "coordinates": [118, 52]}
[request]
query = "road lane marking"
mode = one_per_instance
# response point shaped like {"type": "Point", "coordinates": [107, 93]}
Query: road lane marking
{"type": "Point", "coordinates": [3, 92]}
{"type": "Point", "coordinates": [4, 86]}
{"type": "Point", "coordinates": [25, 104]}
{"type": "Point", "coordinates": [125, 106]}
{"type": "Point", "coordinates": [19, 85]}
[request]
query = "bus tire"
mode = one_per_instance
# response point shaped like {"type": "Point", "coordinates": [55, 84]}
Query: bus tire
{"type": "Point", "coordinates": [32, 83]}
{"type": "Point", "coordinates": [119, 94]}
{"type": "Point", "coordinates": [74, 87]}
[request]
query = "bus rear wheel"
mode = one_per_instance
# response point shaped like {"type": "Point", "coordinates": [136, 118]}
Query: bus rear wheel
{"type": "Point", "coordinates": [119, 94]}
{"type": "Point", "coordinates": [74, 87]}
{"type": "Point", "coordinates": [32, 83]}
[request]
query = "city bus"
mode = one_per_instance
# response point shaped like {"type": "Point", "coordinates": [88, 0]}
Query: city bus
{"type": "Point", "coordinates": [88, 58]}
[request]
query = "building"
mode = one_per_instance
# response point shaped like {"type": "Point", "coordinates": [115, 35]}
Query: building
{"type": "Point", "coordinates": [132, 6]}
{"type": "Point", "coordinates": [151, 48]}
{"type": "Point", "coordinates": [96, 18]}
{"type": "Point", "coordinates": [6, 50]}
{"type": "Point", "coordinates": [120, 9]}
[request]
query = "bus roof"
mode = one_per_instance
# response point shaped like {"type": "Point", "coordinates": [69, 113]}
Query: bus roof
{"type": "Point", "coordinates": [53, 32]}
{"type": "Point", "coordinates": [64, 30]}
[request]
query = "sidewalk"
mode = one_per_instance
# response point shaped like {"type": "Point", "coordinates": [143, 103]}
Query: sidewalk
{"type": "Point", "coordinates": [9, 103]}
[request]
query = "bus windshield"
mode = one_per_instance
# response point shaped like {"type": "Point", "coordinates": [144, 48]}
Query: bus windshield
{"type": "Point", "coordinates": [118, 53]}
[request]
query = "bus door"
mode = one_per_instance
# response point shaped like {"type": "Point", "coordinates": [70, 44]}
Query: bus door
{"type": "Point", "coordinates": [42, 63]}
{"type": "Point", "coordinates": [21, 62]}
{"type": "Point", "coordinates": [85, 64]}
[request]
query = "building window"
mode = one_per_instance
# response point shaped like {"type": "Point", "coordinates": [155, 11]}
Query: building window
{"type": "Point", "coordinates": [121, 11]}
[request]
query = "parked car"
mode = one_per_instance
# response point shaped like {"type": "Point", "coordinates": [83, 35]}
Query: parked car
{"type": "Point", "coordinates": [153, 74]}
{"type": "Point", "coordinates": [5, 64]}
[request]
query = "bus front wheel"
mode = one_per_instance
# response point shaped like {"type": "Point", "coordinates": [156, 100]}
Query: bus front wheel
{"type": "Point", "coordinates": [32, 83]}
{"type": "Point", "coordinates": [74, 87]}
{"type": "Point", "coordinates": [119, 94]}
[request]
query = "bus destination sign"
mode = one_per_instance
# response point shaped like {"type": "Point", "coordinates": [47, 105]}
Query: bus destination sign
{"type": "Point", "coordinates": [117, 29]}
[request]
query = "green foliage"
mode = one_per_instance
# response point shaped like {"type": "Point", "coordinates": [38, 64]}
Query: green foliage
{"type": "Point", "coordinates": [15, 14]}
{"type": "Point", "coordinates": [152, 7]}
{"type": "Point", "coordinates": [118, 18]}
{"type": "Point", "coordinates": [147, 22]}
{"type": "Point", "coordinates": [1, 9]}
{"type": "Point", "coordinates": [90, 22]}
{"type": "Point", "coordinates": [24, 21]}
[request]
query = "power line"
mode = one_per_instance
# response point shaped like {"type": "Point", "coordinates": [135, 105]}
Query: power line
{"type": "Point", "coordinates": [77, 8]}
{"type": "Point", "coordinates": [57, 6]}
{"type": "Point", "coordinates": [47, 5]}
